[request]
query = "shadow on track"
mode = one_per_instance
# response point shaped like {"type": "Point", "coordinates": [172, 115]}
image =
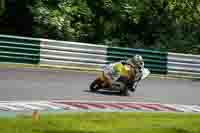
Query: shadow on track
{"type": "Point", "coordinates": [105, 92]}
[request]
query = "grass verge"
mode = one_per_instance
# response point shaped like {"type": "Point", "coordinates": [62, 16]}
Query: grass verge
{"type": "Point", "coordinates": [104, 123]}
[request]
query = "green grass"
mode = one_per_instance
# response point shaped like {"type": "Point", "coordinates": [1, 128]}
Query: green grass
{"type": "Point", "coordinates": [104, 123]}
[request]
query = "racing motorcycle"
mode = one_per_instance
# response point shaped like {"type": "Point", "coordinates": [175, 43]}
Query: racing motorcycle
{"type": "Point", "coordinates": [123, 84]}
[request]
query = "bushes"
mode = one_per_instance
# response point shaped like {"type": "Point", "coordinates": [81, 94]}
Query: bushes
{"type": "Point", "coordinates": [65, 20]}
{"type": "Point", "coordinates": [167, 25]}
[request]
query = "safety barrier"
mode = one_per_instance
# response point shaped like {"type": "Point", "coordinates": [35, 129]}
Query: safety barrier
{"type": "Point", "coordinates": [183, 64]}
{"type": "Point", "coordinates": [62, 53]}
{"type": "Point", "coordinates": [154, 60]}
{"type": "Point", "coordinates": [19, 49]}
{"type": "Point", "coordinates": [72, 54]}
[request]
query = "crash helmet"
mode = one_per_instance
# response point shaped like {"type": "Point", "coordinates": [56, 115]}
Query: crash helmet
{"type": "Point", "coordinates": [138, 60]}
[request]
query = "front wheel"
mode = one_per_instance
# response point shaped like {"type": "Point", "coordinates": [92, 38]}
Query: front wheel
{"type": "Point", "coordinates": [124, 92]}
{"type": "Point", "coordinates": [124, 89]}
{"type": "Point", "coordinates": [94, 86]}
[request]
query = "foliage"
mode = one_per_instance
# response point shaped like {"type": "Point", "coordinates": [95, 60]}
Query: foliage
{"type": "Point", "coordinates": [66, 20]}
{"type": "Point", "coordinates": [169, 25]}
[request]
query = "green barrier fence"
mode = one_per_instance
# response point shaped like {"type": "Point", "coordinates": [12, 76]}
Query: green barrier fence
{"type": "Point", "coordinates": [154, 60]}
{"type": "Point", "coordinates": [19, 50]}
{"type": "Point", "coordinates": [26, 50]}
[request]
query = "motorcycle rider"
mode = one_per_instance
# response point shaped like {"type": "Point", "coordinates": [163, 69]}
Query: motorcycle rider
{"type": "Point", "coordinates": [138, 62]}
{"type": "Point", "coordinates": [115, 70]}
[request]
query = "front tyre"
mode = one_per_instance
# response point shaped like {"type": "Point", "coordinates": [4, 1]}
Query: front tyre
{"type": "Point", "coordinates": [94, 86]}
{"type": "Point", "coordinates": [124, 90]}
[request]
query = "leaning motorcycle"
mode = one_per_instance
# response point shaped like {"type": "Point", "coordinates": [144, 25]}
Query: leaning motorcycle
{"type": "Point", "coordinates": [123, 84]}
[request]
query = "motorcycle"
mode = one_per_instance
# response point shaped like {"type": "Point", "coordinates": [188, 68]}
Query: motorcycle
{"type": "Point", "coordinates": [123, 84]}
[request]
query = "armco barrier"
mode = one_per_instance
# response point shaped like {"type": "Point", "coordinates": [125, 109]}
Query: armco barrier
{"type": "Point", "coordinates": [183, 64]}
{"type": "Point", "coordinates": [19, 49]}
{"type": "Point", "coordinates": [154, 60]}
{"type": "Point", "coordinates": [73, 54]}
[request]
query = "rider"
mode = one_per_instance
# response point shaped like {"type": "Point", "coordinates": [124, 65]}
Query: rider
{"type": "Point", "coordinates": [138, 62]}
{"type": "Point", "coordinates": [115, 70]}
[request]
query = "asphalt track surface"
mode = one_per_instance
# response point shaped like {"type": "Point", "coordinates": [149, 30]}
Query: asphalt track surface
{"type": "Point", "coordinates": [18, 84]}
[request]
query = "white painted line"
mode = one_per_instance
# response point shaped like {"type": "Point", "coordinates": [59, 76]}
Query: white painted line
{"type": "Point", "coordinates": [190, 108]}
{"type": "Point", "coordinates": [66, 106]}
{"type": "Point", "coordinates": [25, 106]}
{"type": "Point", "coordinates": [2, 106]}
{"type": "Point", "coordinates": [48, 105]}
{"type": "Point", "coordinates": [182, 108]}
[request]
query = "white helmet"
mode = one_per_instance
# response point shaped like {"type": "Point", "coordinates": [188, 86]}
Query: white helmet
{"type": "Point", "coordinates": [138, 60]}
